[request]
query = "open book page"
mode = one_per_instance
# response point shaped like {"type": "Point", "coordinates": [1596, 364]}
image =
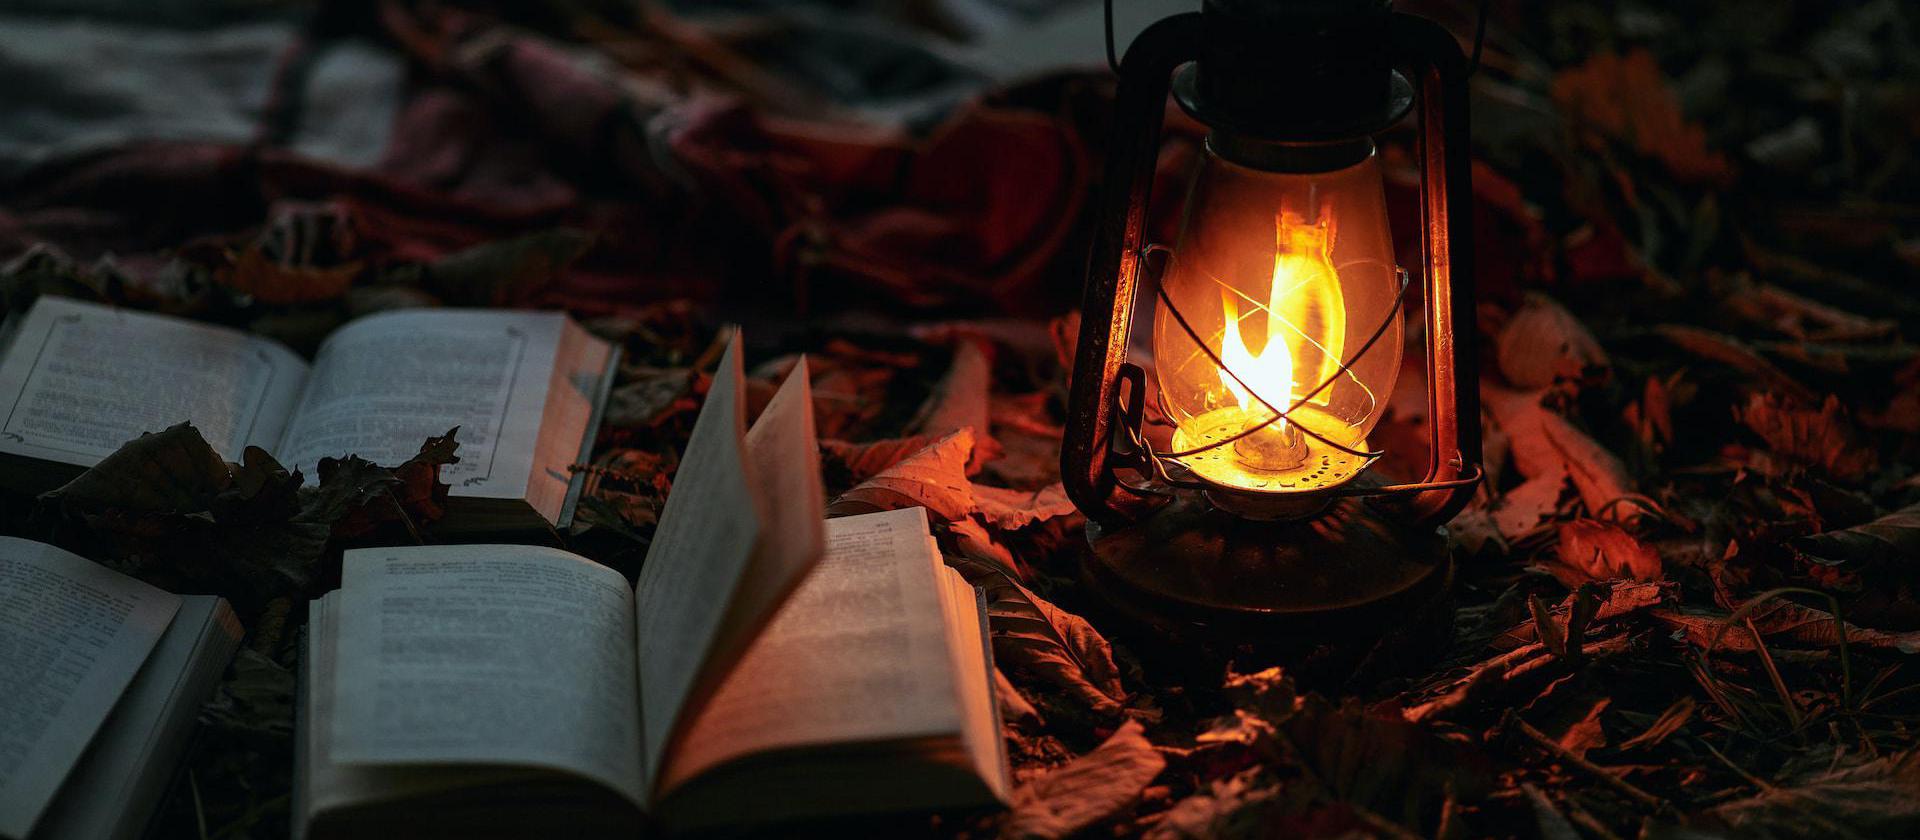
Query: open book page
{"type": "Point", "coordinates": [979, 711]}
{"type": "Point", "coordinates": [72, 635]}
{"type": "Point", "coordinates": [858, 653]}
{"type": "Point", "coordinates": [383, 384]}
{"type": "Point", "coordinates": [111, 793]}
{"type": "Point", "coordinates": [80, 379]}
{"type": "Point", "coordinates": [486, 654]}
{"type": "Point", "coordinates": [581, 374]}
{"type": "Point", "coordinates": [324, 783]}
{"type": "Point", "coordinates": [698, 557]}
{"type": "Point", "coordinates": [784, 459]}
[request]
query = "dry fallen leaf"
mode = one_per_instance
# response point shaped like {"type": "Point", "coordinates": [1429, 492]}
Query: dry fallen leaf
{"type": "Point", "coordinates": [1032, 635]}
{"type": "Point", "coordinates": [251, 272]}
{"type": "Point", "coordinates": [1863, 799]}
{"type": "Point", "coordinates": [1733, 353]}
{"type": "Point", "coordinates": [961, 402]}
{"type": "Point", "coordinates": [1521, 510]}
{"type": "Point", "coordinates": [1236, 807]}
{"type": "Point", "coordinates": [1029, 440]}
{"type": "Point", "coordinates": [1381, 762]}
{"type": "Point", "coordinates": [1014, 707]}
{"type": "Point", "coordinates": [1662, 727]}
{"type": "Point", "coordinates": [1474, 529]}
{"type": "Point", "coordinates": [1799, 317]}
{"type": "Point", "coordinates": [507, 272]}
{"type": "Point", "coordinates": [1780, 621]}
{"type": "Point", "coordinates": [1011, 510]}
{"type": "Point", "coordinates": [1821, 440]}
{"type": "Point", "coordinates": [358, 496]}
{"type": "Point", "coordinates": [1544, 445]}
{"type": "Point", "coordinates": [972, 540]}
{"type": "Point", "coordinates": [847, 395]}
{"type": "Point", "coordinates": [1594, 550]}
{"type": "Point", "coordinates": [866, 460]}
{"type": "Point", "coordinates": [1887, 539]}
{"type": "Point", "coordinates": [934, 478]}
{"type": "Point", "coordinates": [1586, 733]}
{"type": "Point", "coordinates": [1631, 596]}
{"type": "Point", "coordinates": [168, 472]}
{"type": "Point", "coordinates": [1097, 786]}
{"type": "Point", "coordinates": [1626, 98]}
{"type": "Point", "coordinates": [177, 515]}
{"type": "Point", "coordinates": [1652, 416]}
{"type": "Point", "coordinates": [1543, 342]}
{"type": "Point", "coordinates": [647, 394]}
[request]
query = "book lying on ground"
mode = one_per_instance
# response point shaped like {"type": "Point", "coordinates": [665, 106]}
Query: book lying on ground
{"type": "Point", "coordinates": [101, 678]}
{"type": "Point", "coordinates": [767, 666]}
{"type": "Point", "coordinates": [78, 380]}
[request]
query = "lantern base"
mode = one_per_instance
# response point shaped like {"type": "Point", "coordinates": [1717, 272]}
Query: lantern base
{"type": "Point", "coordinates": [1347, 575]}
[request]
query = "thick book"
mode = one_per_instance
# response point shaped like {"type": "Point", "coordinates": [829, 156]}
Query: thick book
{"type": "Point", "coordinates": [101, 680]}
{"type": "Point", "coordinates": [80, 379]}
{"type": "Point", "coordinates": [768, 666]}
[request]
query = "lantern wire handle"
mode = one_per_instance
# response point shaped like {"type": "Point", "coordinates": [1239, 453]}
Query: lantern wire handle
{"type": "Point", "coordinates": [1114, 63]}
{"type": "Point", "coordinates": [1393, 312]}
{"type": "Point", "coordinates": [1473, 66]}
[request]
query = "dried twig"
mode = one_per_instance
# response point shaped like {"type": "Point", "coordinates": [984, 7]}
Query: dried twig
{"type": "Point", "coordinates": [1626, 788]}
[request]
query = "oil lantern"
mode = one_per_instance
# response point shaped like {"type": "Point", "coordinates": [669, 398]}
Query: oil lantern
{"type": "Point", "coordinates": [1244, 501]}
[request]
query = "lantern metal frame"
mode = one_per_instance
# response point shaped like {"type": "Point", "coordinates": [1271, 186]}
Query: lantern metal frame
{"type": "Point", "coordinates": [1315, 562]}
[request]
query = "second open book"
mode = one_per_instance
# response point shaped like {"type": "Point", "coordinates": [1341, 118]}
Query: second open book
{"type": "Point", "coordinates": [769, 664]}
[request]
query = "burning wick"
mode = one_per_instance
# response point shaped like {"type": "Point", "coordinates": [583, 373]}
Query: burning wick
{"type": "Point", "coordinates": [1302, 264]}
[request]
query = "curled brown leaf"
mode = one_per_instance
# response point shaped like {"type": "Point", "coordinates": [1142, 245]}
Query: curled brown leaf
{"type": "Point", "coordinates": [934, 478]}
{"type": "Point", "coordinates": [1032, 635]}
{"type": "Point", "coordinates": [1543, 342]}
{"type": "Point", "coordinates": [1097, 786]}
{"type": "Point", "coordinates": [1595, 550]}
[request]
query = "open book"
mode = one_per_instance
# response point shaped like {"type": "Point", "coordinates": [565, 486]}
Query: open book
{"type": "Point", "coordinates": [101, 677]}
{"type": "Point", "coordinates": [767, 666]}
{"type": "Point", "coordinates": [80, 379]}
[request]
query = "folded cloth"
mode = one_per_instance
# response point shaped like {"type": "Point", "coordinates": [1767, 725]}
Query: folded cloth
{"type": "Point", "coordinates": [80, 86]}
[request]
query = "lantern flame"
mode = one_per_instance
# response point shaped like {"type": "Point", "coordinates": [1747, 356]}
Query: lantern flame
{"type": "Point", "coordinates": [1304, 291]}
{"type": "Point", "coordinates": [1274, 397]}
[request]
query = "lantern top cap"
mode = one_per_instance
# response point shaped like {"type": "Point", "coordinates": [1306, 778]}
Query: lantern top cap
{"type": "Point", "coordinates": [1300, 72]}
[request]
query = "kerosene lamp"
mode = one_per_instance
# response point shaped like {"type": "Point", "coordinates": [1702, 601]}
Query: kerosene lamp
{"type": "Point", "coordinates": [1277, 327]}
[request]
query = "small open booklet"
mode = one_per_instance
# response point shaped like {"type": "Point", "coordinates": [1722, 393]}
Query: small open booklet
{"type": "Point", "coordinates": [79, 379]}
{"type": "Point", "coordinates": [769, 665]}
{"type": "Point", "coordinates": [101, 677]}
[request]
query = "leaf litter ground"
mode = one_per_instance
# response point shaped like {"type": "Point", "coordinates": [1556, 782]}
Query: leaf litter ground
{"type": "Point", "coordinates": [1687, 597]}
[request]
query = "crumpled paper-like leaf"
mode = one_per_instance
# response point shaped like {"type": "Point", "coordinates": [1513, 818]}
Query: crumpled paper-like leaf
{"type": "Point", "coordinates": [934, 478]}
{"type": "Point", "coordinates": [1094, 787]}
{"type": "Point", "coordinates": [1011, 510]}
{"type": "Point", "coordinates": [1543, 342]}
